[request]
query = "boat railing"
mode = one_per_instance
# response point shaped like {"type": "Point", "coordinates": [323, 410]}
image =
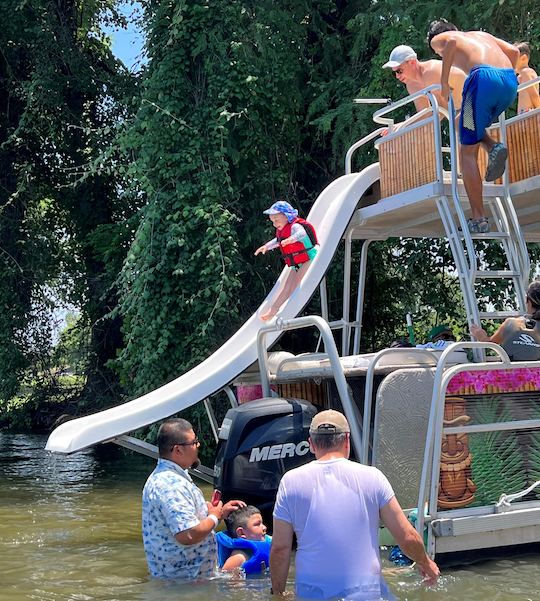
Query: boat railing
{"type": "Point", "coordinates": [359, 144]}
{"type": "Point", "coordinates": [281, 325]}
{"type": "Point", "coordinates": [437, 430]}
{"type": "Point", "coordinates": [521, 134]}
{"type": "Point", "coordinates": [369, 385]}
{"type": "Point", "coordinates": [390, 130]}
{"type": "Point", "coordinates": [410, 155]}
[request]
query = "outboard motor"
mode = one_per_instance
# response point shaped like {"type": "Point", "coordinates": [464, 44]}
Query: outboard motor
{"type": "Point", "coordinates": [258, 442]}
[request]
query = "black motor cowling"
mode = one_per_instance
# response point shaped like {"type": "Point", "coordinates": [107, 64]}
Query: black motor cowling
{"type": "Point", "coordinates": [258, 442]}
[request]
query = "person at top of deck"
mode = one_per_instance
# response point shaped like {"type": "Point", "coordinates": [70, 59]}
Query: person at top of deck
{"type": "Point", "coordinates": [519, 336]}
{"type": "Point", "coordinates": [417, 75]}
{"type": "Point", "coordinates": [297, 241]}
{"type": "Point", "coordinates": [490, 88]}
{"type": "Point", "coordinates": [529, 98]}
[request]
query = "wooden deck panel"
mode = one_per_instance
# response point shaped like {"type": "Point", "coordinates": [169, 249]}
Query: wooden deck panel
{"type": "Point", "coordinates": [523, 140]}
{"type": "Point", "coordinates": [407, 160]}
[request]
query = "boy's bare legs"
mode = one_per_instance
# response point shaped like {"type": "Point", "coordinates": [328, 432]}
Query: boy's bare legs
{"type": "Point", "coordinates": [472, 179]}
{"type": "Point", "coordinates": [294, 277]}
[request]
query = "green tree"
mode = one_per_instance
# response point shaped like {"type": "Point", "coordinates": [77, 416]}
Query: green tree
{"type": "Point", "coordinates": [59, 92]}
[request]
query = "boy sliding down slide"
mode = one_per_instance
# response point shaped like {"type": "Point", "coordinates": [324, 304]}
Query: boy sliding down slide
{"type": "Point", "coordinates": [297, 241]}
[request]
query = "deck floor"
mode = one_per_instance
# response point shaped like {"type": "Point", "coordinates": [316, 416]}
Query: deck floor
{"type": "Point", "coordinates": [414, 213]}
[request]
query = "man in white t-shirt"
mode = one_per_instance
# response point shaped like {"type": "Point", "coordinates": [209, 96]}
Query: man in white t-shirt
{"type": "Point", "coordinates": [334, 505]}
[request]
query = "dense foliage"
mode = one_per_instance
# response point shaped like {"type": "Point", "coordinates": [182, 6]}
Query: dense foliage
{"type": "Point", "coordinates": [60, 89]}
{"type": "Point", "coordinates": [137, 199]}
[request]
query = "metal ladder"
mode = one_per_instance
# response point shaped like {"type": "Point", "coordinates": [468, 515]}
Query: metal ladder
{"type": "Point", "coordinates": [507, 231]}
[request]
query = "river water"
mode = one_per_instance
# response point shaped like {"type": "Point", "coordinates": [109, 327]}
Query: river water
{"type": "Point", "coordinates": [70, 530]}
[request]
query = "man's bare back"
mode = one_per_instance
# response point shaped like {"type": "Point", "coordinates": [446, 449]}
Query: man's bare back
{"type": "Point", "coordinates": [473, 48]}
{"type": "Point", "coordinates": [489, 89]}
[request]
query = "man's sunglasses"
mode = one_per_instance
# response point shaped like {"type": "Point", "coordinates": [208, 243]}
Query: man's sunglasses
{"type": "Point", "coordinates": [398, 71]}
{"type": "Point", "coordinates": [195, 441]}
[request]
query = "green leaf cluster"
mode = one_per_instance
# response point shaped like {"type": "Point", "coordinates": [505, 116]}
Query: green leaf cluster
{"type": "Point", "coordinates": [59, 92]}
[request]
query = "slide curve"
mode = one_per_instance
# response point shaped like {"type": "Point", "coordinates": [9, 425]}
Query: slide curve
{"type": "Point", "coordinates": [330, 215]}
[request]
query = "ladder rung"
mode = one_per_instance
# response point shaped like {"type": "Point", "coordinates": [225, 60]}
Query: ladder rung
{"type": "Point", "coordinates": [497, 274]}
{"type": "Point", "coordinates": [499, 314]}
{"type": "Point", "coordinates": [490, 236]}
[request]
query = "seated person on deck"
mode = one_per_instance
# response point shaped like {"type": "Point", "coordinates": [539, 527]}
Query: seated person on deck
{"type": "Point", "coordinates": [441, 332]}
{"type": "Point", "coordinates": [246, 545]}
{"type": "Point", "coordinates": [519, 336]}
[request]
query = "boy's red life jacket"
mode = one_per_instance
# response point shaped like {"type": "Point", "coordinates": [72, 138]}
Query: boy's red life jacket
{"type": "Point", "coordinates": [295, 253]}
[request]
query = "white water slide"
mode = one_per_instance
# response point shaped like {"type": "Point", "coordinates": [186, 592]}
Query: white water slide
{"type": "Point", "coordinates": [330, 215]}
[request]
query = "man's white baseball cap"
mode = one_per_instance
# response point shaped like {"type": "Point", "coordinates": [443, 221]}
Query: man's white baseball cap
{"type": "Point", "coordinates": [398, 56]}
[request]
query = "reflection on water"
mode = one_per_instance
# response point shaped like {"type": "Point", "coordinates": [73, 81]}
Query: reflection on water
{"type": "Point", "coordinates": [70, 530]}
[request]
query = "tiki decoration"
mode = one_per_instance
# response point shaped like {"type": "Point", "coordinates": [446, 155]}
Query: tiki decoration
{"type": "Point", "coordinates": [456, 489]}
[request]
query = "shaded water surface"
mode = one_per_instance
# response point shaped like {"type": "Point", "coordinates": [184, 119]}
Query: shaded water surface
{"type": "Point", "coordinates": [70, 530]}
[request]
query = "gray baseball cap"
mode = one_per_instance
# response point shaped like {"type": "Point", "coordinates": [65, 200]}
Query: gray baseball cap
{"type": "Point", "coordinates": [398, 56]}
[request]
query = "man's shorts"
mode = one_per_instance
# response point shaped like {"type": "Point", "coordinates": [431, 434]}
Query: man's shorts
{"type": "Point", "coordinates": [488, 91]}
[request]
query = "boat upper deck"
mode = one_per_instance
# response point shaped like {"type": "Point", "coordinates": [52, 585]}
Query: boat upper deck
{"type": "Point", "coordinates": [414, 213]}
{"type": "Point", "coordinates": [412, 179]}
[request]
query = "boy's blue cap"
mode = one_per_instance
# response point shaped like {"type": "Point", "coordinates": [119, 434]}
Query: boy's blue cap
{"type": "Point", "coordinates": [282, 206]}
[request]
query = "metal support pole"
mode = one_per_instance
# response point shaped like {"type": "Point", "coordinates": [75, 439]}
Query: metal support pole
{"type": "Point", "coordinates": [211, 418]}
{"type": "Point", "coordinates": [360, 296]}
{"type": "Point", "coordinates": [333, 356]}
{"type": "Point", "coordinates": [230, 395]}
{"type": "Point", "coordinates": [346, 329]}
{"type": "Point", "coordinates": [324, 298]}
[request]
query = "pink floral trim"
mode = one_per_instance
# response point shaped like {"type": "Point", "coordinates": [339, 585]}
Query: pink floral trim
{"type": "Point", "coordinates": [500, 380]}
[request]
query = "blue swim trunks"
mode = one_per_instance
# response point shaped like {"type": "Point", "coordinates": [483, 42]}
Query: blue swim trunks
{"type": "Point", "coordinates": [488, 91]}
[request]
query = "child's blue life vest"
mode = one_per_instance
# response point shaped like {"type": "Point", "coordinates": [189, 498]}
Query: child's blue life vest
{"type": "Point", "coordinates": [260, 551]}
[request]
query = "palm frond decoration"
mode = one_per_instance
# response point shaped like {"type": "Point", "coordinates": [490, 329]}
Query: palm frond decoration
{"type": "Point", "coordinates": [534, 450]}
{"type": "Point", "coordinates": [497, 462]}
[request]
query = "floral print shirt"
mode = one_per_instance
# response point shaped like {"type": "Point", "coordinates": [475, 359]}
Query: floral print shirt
{"type": "Point", "coordinates": [172, 503]}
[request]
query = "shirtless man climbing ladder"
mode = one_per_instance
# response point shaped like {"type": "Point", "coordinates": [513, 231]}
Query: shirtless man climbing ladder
{"type": "Point", "coordinates": [490, 88]}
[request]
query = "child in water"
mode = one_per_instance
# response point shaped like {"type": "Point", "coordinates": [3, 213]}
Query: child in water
{"type": "Point", "coordinates": [246, 545]}
{"type": "Point", "coordinates": [297, 241]}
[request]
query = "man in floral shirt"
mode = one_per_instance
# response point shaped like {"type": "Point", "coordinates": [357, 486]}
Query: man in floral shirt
{"type": "Point", "coordinates": [177, 523]}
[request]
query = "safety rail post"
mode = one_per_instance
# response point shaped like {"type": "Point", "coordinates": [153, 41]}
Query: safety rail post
{"type": "Point", "coordinates": [362, 270]}
{"type": "Point", "coordinates": [230, 395]}
{"type": "Point", "coordinates": [357, 145]}
{"type": "Point", "coordinates": [210, 410]}
{"type": "Point", "coordinates": [466, 272]}
{"type": "Point", "coordinates": [368, 391]}
{"type": "Point", "coordinates": [434, 429]}
{"type": "Point", "coordinates": [345, 332]}
{"type": "Point", "coordinates": [330, 348]}
{"type": "Point", "coordinates": [455, 192]}
{"type": "Point", "coordinates": [523, 255]}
